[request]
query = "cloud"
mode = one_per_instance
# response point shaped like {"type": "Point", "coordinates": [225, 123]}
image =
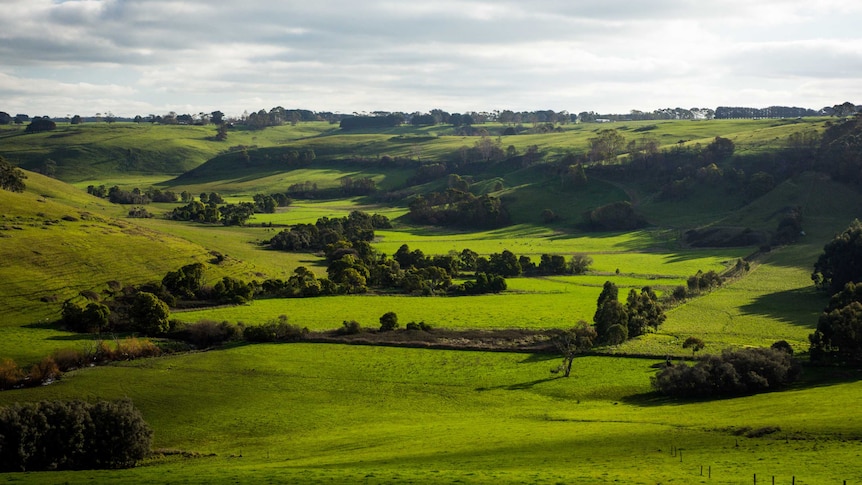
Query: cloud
{"type": "Point", "coordinates": [346, 55]}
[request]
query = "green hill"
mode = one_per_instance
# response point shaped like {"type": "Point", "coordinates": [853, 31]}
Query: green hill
{"type": "Point", "coordinates": [58, 241]}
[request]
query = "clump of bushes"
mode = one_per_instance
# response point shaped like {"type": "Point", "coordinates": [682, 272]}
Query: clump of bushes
{"type": "Point", "coordinates": [56, 435]}
{"type": "Point", "coordinates": [209, 333]}
{"type": "Point", "coordinates": [734, 372]}
{"type": "Point", "coordinates": [277, 330]}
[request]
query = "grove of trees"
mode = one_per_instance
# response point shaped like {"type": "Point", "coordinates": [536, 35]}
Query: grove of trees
{"type": "Point", "coordinates": [72, 435]}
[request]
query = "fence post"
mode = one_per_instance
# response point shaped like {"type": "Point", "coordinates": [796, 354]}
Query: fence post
{"type": "Point", "coordinates": [755, 479]}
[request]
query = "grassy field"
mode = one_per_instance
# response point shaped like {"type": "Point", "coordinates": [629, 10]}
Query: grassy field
{"type": "Point", "coordinates": [325, 413]}
{"type": "Point", "coordinates": [346, 414]}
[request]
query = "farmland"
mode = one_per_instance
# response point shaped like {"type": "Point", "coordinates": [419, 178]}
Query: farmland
{"type": "Point", "coordinates": [332, 413]}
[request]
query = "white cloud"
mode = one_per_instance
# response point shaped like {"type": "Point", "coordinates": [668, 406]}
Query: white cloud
{"type": "Point", "coordinates": [607, 55]}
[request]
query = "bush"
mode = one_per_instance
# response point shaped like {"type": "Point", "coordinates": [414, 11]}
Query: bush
{"type": "Point", "coordinates": [68, 359]}
{"type": "Point", "coordinates": [388, 322]}
{"type": "Point", "coordinates": [350, 328]}
{"type": "Point", "coordinates": [207, 333]}
{"type": "Point", "coordinates": [51, 435]}
{"type": "Point", "coordinates": [10, 374]}
{"type": "Point", "coordinates": [734, 372]}
{"type": "Point", "coordinates": [46, 370]}
{"type": "Point", "coordinates": [275, 331]}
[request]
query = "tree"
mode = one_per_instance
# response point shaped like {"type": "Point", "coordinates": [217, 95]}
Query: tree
{"type": "Point", "coordinates": [11, 177]}
{"type": "Point", "coordinates": [75, 435]}
{"type": "Point", "coordinates": [720, 148]}
{"type": "Point", "coordinates": [841, 261]}
{"type": "Point", "coordinates": [221, 132]}
{"type": "Point", "coordinates": [606, 145]}
{"type": "Point", "coordinates": [839, 335]}
{"type": "Point", "coordinates": [76, 120]}
{"type": "Point", "coordinates": [388, 322]}
{"type": "Point", "coordinates": [96, 316]}
{"type": "Point", "coordinates": [148, 314]}
{"type": "Point", "coordinates": [580, 263]}
{"type": "Point", "coordinates": [186, 281]}
{"type": "Point", "coordinates": [41, 124]}
{"type": "Point", "coordinates": [644, 311]}
{"type": "Point", "coordinates": [693, 343]}
{"type": "Point", "coordinates": [217, 117]}
{"type": "Point", "coordinates": [572, 342]}
{"type": "Point", "coordinates": [609, 311]}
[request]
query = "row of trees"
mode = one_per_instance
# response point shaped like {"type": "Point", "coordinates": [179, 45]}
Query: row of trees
{"type": "Point", "coordinates": [145, 309]}
{"type": "Point", "coordinates": [208, 210]}
{"type": "Point", "coordinates": [458, 208]}
{"type": "Point", "coordinates": [72, 435]}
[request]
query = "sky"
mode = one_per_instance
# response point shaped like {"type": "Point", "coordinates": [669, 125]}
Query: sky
{"type": "Point", "coordinates": [129, 57]}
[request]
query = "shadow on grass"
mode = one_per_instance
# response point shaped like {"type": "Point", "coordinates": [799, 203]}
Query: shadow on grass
{"type": "Point", "coordinates": [540, 357]}
{"type": "Point", "coordinates": [801, 306]}
{"type": "Point", "coordinates": [521, 385]}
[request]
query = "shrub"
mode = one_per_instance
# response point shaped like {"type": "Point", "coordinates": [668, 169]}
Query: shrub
{"type": "Point", "coordinates": [350, 328]}
{"type": "Point", "coordinates": [10, 374]}
{"type": "Point", "coordinates": [207, 333]}
{"type": "Point", "coordinates": [275, 331]}
{"type": "Point", "coordinates": [67, 359]}
{"type": "Point", "coordinates": [133, 348]}
{"type": "Point", "coordinates": [388, 322]}
{"type": "Point", "coordinates": [46, 370]}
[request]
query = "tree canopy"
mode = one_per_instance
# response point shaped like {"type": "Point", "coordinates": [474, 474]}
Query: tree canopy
{"type": "Point", "coordinates": [11, 177]}
{"type": "Point", "coordinates": [841, 261]}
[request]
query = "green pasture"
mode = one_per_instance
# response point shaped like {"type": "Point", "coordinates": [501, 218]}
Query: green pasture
{"type": "Point", "coordinates": [325, 413]}
{"type": "Point", "coordinates": [98, 151]}
{"type": "Point", "coordinates": [332, 413]}
{"type": "Point", "coordinates": [509, 310]}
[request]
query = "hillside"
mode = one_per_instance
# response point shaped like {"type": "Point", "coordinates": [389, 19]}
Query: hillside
{"type": "Point", "coordinates": [58, 241]}
{"type": "Point", "coordinates": [99, 152]}
{"type": "Point", "coordinates": [329, 413]}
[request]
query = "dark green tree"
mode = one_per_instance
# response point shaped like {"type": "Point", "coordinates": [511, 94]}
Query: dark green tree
{"type": "Point", "coordinates": [149, 315]}
{"type": "Point", "coordinates": [841, 261]}
{"type": "Point", "coordinates": [96, 317]}
{"type": "Point", "coordinates": [388, 322]}
{"type": "Point", "coordinates": [609, 311]}
{"type": "Point", "coordinates": [11, 177]}
{"type": "Point", "coordinates": [186, 281]}
{"type": "Point", "coordinates": [839, 335]}
{"type": "Point", "coordinates": [644, 311]}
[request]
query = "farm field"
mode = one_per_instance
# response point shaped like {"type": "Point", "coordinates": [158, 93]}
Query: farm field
{"type": "Point", "coordinates": [332, 413]}
{"type": "Point", "coordinates": [318, 414]}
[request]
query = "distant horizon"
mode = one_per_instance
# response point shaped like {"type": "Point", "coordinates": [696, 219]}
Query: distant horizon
{"type": "Point", "coordinates": [372, 112]}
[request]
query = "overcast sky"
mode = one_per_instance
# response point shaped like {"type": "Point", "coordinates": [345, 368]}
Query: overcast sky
{"type": "Point", "coordinates": [131, 57]}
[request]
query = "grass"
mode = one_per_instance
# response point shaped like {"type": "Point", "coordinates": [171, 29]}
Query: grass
{"type": "Point", "coordinates": [333, 414]}
{"type": "Point", "coordinates": [317, 414]}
